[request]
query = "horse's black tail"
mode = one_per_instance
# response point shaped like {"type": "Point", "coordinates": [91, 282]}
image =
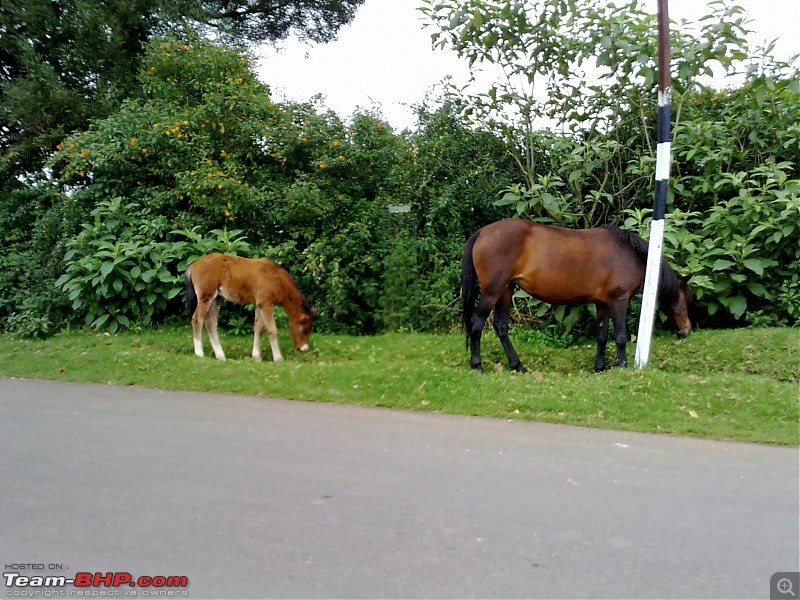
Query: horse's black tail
{"type": "Point", "coordinates": [191, 295]}
{"type": "Point", "coordinates": [469, 285]}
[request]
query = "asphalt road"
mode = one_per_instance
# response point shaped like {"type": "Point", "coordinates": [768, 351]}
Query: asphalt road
{"type": "Point", "coordinates": [255, 498]}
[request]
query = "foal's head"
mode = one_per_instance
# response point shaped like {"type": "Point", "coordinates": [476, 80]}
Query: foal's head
{"type": "Point", "coordinates": [301, 315]}
{"type": "Point", "coordinates": [300, 326]}
{"type": "Point", "coordinates": [678, 307]}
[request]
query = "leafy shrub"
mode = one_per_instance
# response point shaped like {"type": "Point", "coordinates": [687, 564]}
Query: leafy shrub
{"type": "Point", "coordinates": [122, 270]}
{"type": "Point", "coordinates": [201, 148]}
{"type": "Point", "coordinates": [744, 251]}
{"type": "Point", "coordinates": [35, 222]}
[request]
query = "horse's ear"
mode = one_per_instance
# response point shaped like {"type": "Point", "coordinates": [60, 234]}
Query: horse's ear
{"type": "Point", "coordinates": [314, 313]}
{"type": "Point", "coordinates": [686, 278]}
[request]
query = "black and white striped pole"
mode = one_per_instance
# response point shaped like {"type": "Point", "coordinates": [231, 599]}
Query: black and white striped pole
{"type": "Point", "coordinates": [663, 159]}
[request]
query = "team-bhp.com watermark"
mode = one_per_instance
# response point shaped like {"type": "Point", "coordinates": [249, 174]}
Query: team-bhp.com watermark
{"type": "Point", "coordinates": [85, 584]}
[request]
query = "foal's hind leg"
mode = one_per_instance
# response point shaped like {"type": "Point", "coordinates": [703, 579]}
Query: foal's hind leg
{"type": "Point", "coordinates": [197, 332]}
{"type": "Point", "coordinates": [501, 317]}
{"type": "Point", "coordinates": [198, 317]}
{"type": "Point", "coordinates": [211, 327]}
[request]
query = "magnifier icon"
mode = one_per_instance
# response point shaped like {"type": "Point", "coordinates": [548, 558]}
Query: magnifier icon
{"type": "Point", "coordinates": [785, 586]}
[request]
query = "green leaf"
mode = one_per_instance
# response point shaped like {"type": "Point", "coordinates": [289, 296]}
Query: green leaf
{"type": "Point", "coordinates": [721, 265]}
{"type": "Point", "coordinates": [754, 265]}
{"type": "Point", "coordinates": [738, 306]}
{"type": "Point", "coordinates": [62, 280]}
{"type": "Point", "coordinates": [761, 95]}
{"type": "Point", "coordinates": [757, 289]}
{"type": "Point", "coordinates": [106, 268]}
{"type": "Point", "coordinates": [559, 313]}
{"type": "Point", "coordinates": [572, 317]}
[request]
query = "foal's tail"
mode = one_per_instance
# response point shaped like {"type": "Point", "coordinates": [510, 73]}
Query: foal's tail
{"type": "Point", "coordinates": [191, 295]}
{"type": "Point", "coordinates": [469, 285]}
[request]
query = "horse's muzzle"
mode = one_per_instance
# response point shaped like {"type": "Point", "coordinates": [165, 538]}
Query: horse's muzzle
{"type": "Point", "coordinates": [304, 348]}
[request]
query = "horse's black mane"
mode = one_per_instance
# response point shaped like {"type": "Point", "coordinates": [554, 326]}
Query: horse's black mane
{"type": "Point", "coordinates": [668, 282]}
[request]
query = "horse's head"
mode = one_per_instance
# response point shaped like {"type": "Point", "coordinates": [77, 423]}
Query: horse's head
{"type": "Point", "coordinates": [679, 310]}
{"type": "Point", "coordinates": [301, 326]}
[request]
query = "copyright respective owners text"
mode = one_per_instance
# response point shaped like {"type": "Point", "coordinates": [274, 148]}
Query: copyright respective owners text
{"type": "Point", "coordinates": [60, 580]}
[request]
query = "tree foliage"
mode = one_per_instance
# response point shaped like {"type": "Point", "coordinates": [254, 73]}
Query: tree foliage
{"type": "Point", "coordinates": [736, 151]}
{"type": "Point", "coordinates": [63, 64]}
{"type": "Point", "coordinates": [586, 68]}
{"type": "Point", "coordinates": [189, 144]}
{"type": "Point", "coordinates": [371, 222]}
{"type": "Point", "coordinates": [201, 146]}
{"type": "Point", "coordinates": [274, 20]}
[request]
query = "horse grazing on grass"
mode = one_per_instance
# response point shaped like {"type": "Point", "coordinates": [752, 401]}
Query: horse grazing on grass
{"type": "Point", "coordinates": [605, 266]}
{"type": "Point", "coordinates": [245, 281]}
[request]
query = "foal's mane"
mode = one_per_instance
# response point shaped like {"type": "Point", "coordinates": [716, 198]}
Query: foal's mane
{"type": "Point", "coordinates": [668, 283]}
{"type": "Point", "coordinates": [304, 305]}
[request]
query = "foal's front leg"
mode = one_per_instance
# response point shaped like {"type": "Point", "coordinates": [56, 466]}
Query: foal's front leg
{"type": "Point", "coordinates": [258, 329]}
{"type": "Point", "coordinates": [267, 315]}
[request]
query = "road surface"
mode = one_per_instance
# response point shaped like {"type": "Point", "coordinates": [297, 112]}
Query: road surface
{"type": "Point", "coordinates": [261, 498]}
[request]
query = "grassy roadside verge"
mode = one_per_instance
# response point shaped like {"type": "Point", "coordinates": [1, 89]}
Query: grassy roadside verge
{"type": "Point", "coordinates": [741, 384]}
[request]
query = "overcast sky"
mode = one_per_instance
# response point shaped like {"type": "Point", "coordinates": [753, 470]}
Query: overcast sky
{"type": "Point", "coordinates": [384, 58]}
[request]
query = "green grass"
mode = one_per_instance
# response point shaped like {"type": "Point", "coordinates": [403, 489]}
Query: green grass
{"type": "Point", "coordinates": [740, 384]}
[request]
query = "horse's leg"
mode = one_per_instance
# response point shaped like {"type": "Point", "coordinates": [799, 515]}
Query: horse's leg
{"type": "Point", "coordinates": [501, 317]}
{"type": "Point", "coordinates": [482, 312]}
{"type": "Point", "coordinates": [258, 328]}
{"type": "Point", "coordinates": [198, 317]}
{"type": "Point", "coordinates": [267, 314]}
{"type": "Point", "coordinates": [618, 311]}
{"type": "Point", "coordinates": [211, 326]}
{"type": "Point", "coordinates": [602, 337]}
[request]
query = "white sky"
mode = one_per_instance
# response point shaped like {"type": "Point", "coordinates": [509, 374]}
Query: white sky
{"type": "Point", "coordinates": [384, 58]}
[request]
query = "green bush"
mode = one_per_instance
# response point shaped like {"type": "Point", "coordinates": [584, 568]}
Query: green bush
{"type": "Point", "coordinates": [201, 148]}
{"type": "Point", "coordinates": [35, 222]}
{"type": "Point", "coordinates": [122, 270]}
{"type": "Point", "coordinates": [743, 252]}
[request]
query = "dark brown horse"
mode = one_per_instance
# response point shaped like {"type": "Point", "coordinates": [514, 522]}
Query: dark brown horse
{"type": "Point", "coordinates": [604, 266]}
{"type": "Point", "coordinates": [245, 281]}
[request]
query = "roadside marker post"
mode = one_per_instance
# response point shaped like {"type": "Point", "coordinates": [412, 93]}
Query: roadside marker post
{"type": "Point", "coordinates": [663, 160]}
